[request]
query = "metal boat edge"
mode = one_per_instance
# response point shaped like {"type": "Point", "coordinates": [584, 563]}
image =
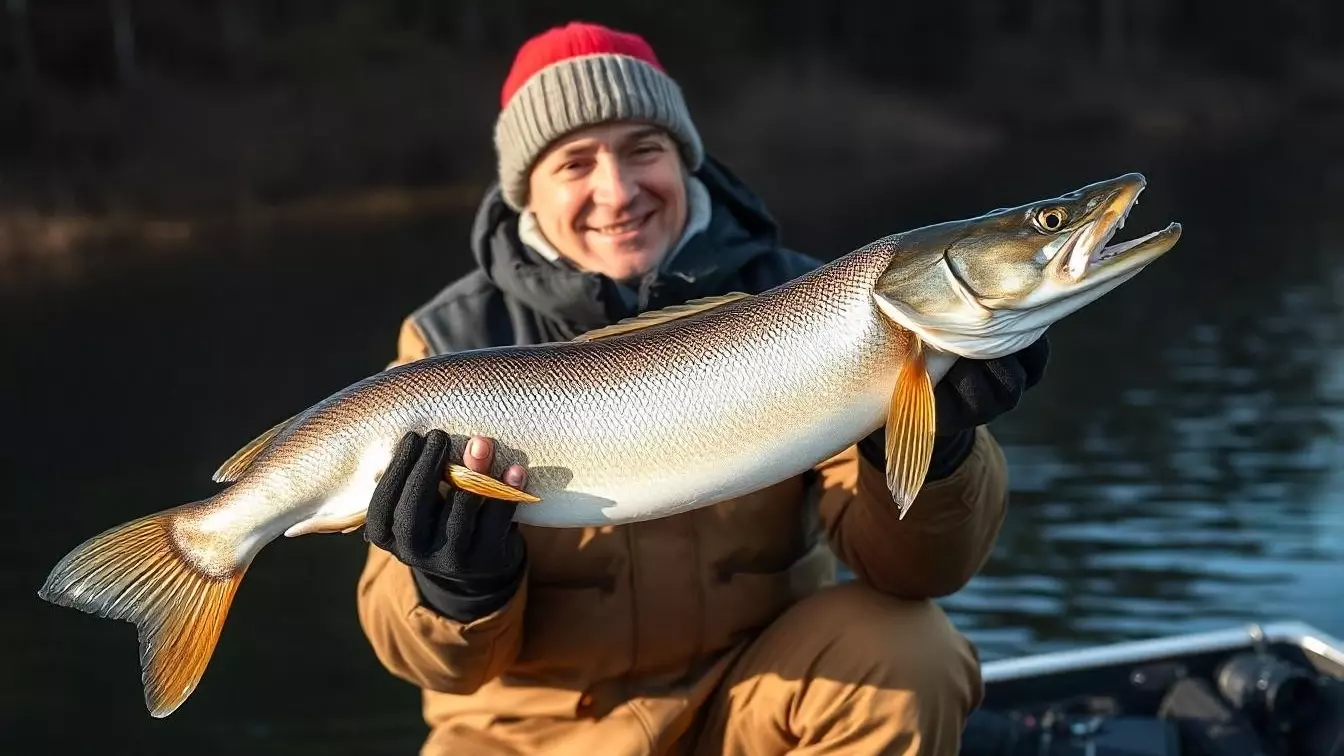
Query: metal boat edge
{"type": "Point", "coordinates": [1310, 639]}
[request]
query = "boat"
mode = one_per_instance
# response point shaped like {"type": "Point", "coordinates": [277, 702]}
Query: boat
{"type": "Point", "coordinates": [1258, 690]}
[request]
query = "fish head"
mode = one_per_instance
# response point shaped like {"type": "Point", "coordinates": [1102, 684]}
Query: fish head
{"type": "Point", "coordinates": [988, 286]}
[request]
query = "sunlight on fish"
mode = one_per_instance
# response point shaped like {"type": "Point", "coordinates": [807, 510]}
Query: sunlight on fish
{"type": "Point", "coordinates": [670, 411]}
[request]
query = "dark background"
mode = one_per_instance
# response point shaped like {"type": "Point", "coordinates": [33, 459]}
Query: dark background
{"type": "Point", "coordinates": [215, 213]}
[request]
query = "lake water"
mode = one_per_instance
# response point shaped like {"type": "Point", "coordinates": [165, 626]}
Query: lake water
{"type": "Point", "coordinates": [1178, 469]}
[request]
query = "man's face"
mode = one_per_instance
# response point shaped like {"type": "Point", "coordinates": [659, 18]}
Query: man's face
{"type": "Point", "coordinates": [611, 198]}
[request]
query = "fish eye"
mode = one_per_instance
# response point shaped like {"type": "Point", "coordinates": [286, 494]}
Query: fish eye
{"type": "Point", "coordinates": [1051, 219]}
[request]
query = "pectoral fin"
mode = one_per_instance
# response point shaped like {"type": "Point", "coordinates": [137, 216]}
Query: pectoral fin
{"type": "Point", "coordinates": [910, 430]}
{"type": "Point", "coordinates": [469, 480]}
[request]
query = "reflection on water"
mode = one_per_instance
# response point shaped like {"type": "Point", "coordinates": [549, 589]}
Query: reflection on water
{"type": "Point", "coordinates": [1177, 470]}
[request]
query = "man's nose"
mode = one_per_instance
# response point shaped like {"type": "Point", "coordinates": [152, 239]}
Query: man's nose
{"type": "Point", "coordinates": [614, 184]}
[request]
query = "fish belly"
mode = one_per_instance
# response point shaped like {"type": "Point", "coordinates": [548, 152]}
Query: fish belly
{"type": "Point", "coordinates": [671, 430]}
{"type": "Point", "coordinates": [580, 491]}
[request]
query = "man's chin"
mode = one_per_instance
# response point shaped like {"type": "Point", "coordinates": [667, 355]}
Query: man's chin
{"type": "Point", "coordinates": [627, 265]}
{"type": "Point", "coordinates": [630, 275]}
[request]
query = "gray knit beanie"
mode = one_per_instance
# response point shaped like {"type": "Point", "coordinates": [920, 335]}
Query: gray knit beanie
{"type": "Point", "coordinates": [580, 75]}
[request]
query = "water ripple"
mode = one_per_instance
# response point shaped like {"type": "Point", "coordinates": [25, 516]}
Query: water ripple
{"type": "Point", "coordinates": [1207, 489]}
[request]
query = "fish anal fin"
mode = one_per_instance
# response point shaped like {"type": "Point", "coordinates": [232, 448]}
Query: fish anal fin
{"type": "Point", "coordinates": [665, 315]}
{"type": "Point", "coordinates": [478, 483]}
{"type": "Point", "coordinates": [234, 466]}
{"type": "Point", "coordinates": [910, 429]}
{"type": "Point", "coordinates": [336, 523]}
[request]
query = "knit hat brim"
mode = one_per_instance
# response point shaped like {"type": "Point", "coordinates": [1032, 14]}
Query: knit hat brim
{"type": "Point", "coordinates": [585, 91]}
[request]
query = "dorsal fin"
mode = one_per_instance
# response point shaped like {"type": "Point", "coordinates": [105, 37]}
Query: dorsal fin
{"type": "Point", "coordinates": [234, 466]}
{"type": "Point", "coordinates": [667, 314]}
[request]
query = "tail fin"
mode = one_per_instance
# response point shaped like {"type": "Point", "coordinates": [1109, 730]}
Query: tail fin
{"type": "Point", "coordinates": [137, 572]}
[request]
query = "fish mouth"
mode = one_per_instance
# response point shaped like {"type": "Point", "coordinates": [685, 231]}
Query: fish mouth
{"type": "Point", "coordinates": [1087, 258]}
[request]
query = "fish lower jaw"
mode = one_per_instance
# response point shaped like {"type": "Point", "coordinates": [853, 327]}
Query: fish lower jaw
{"type": "Point", "coordinates": [1115, 252]}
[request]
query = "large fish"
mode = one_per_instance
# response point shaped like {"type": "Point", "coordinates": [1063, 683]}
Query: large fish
{"type": "Point", "coordinates": [667, 412]}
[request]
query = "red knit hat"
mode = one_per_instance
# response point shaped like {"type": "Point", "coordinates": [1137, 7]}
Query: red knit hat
{"type": "Point", "coordinates": [578, 75]}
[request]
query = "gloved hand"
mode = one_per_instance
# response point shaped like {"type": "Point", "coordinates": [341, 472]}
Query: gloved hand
{"type": "Point", "coordinates": [973, 393]}
{"type": "Point", "coordinates": [464, 550]}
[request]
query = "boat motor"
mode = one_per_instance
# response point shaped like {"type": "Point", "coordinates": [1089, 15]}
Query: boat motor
{"type": "Point", "coordinates": [1270, 691]}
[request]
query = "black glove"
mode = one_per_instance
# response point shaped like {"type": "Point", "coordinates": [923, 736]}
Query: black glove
{"type": "Point", "coordinates": [464, 550]}
{"type": "Point", "coordinates": [973, 393]}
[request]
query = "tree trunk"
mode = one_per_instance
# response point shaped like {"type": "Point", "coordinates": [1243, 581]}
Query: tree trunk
{"type": "Point", "coordinates": [123, 41]}
{"type": "Point", "coordinates": [23, 46]}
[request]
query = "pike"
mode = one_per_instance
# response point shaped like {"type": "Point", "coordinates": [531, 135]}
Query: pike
{"type": "Point", "coordinates": [663, 413]}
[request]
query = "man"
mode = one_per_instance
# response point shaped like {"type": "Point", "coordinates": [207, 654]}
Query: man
{"type": "Point", "coordinates": [714, 631]}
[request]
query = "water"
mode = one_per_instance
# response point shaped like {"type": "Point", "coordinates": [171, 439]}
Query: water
{"type": "Point", "coordinates": [1176, 471]}
{"type": "Point", "coordinates": [1180, 468]}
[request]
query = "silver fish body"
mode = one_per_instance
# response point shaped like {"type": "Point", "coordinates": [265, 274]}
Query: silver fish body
{"type": "Point", "coordinates": [681, 415]}
{"type": "Point", "coordinates": [678, 410]}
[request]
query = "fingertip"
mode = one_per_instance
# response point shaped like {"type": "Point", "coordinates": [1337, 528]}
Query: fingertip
{"type": "Point", "coordinates": [410, 444]}
{"type": "Point", "coordinates": [480, 454]}
{"type": "Point", "coordinates": [436, 442]}
{"type": "Point", "coordinates": [515, 476]}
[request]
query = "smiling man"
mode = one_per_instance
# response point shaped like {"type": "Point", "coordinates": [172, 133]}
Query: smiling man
{"type": "Point", "coordinates": [610, 199]}
{"type": "Point", "coordinates": [716, 631]}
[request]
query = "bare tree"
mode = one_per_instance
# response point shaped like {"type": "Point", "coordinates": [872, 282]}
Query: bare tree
{"type": "Point", "coordinates": [23, 46]}
{"type": "Point", "coordinates": [123, 41]}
